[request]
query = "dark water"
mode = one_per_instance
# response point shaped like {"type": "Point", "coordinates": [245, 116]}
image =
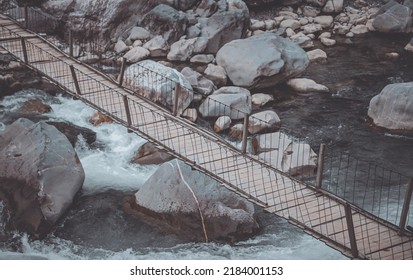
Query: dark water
{"type": "Point", "coordinates": [354, 74]}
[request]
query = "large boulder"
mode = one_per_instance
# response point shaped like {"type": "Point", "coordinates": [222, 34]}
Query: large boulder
{"type": "Point", "coordinates": [40, 174]}
{"type": "Point", "coordinates": [166, 21]}
{"type": "Point", "coordinates": [106, 19]}
{"type": "Point", "coordinates": [158, 83]}
{"type": "Point", "coordinates": [225, 26]}
{"type": "Point", "coordinates": [262, 60]}
{"type": "Point", "coordinates": [393, 17]}
{"type": "Point", "coordinates": [230, 101]}
{"type": "Point", "coordinates": [192, 205]}
{"type": "Point", "coordinates": [393, 108]}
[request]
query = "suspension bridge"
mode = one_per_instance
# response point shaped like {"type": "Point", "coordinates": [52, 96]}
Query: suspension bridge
{"type": "Point", "coordinates": [338, 220]}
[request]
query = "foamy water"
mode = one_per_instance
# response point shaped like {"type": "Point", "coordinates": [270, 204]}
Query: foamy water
{"type": "Point", "coordinates": [109, 168]}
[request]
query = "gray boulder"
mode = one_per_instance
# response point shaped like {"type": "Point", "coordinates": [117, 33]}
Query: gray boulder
{"type": "Point", "coordinates": [183, 49]}
{"type": "Point", "coordinates": [223, 27]}
{"type": "Point", "coordinates": [262, 60]}
{"type": "Point", "coordinates": [193, 206]}
{"type": "Point", "coordinates": [40, 174]}
{"type": "Point", "coordinates": [166, 21]}
{"type": "Point", "coordinates": [199, 83]}
{"type": "Point", "coordinates": [105, 19]}
{"type": "Point", "coordinates": [393, 17]}
{"type": "Point", "coordinates": [393, 108]}
{"type": "Point", "coordinates": [182, 4]}
{"type": "Point", "coordinates": [230, 101]}
{"type": "Point", "coordinates": [158, 83]}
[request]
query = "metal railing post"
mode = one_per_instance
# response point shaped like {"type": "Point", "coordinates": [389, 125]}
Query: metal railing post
{"type": "Point", "coordinates": [351, 233]}
{"type": "Point", "coordinates": [72, 70]}
{"type": "Point", "coordinates": [406, 206]}
{"type": "Point", "coordinates": [26, 16]}
{"type": "Point", "coordinates": [122, 71]}
{"type": "Point", "coordinates": [320, 166]}
{"type": "Point", "coordinates": [70, 43]}
{"type": "Point", "coordinates": [178, 89]}
{"type": "Point", "coordinates": [127, 110]}
{"type": "Point", "coordinates": [245, 133]}
{"type": "Point", "coordinates": [24, 49]}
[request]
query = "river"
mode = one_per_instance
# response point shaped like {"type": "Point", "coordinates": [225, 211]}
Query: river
{"type": "Point", "coordinates": [97, 228]}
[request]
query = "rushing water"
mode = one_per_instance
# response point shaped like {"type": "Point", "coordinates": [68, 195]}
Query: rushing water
{"type": "Point", "coordinates": [107, 233]}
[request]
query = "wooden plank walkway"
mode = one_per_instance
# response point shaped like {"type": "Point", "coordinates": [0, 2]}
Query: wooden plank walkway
{"type": "Point", "coordinates": [317, 212]}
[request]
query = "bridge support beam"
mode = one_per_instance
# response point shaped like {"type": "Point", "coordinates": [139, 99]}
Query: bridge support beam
{"type": "Point", "coordinates": [245, 133]}
{"type": "Point", "coordinates": [26, 16]}
{"type": "Point", "coordinates": [127, 110]}
{"type": "Point", "coordinates": [406, 206]}
{"type": "Point", "coordinates": [320, 166]}
{"type": "Point", "coordinates": [178, 92]}
{"type": "Point", "coordinates": [72, 70]}
{"type": "Point", "coordinates": [122, 71]}
{"type": "Point", "coordinates": [351, 233]}
{"type": "Point", "coordinates": [24, 49]}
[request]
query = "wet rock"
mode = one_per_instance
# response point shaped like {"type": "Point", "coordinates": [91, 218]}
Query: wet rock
{"type": "Point", "coordinates": [266, 120]}
{"type": "Point", "coordinates": [392, 108]}
{"type": "Point", "coordinates": [40, 174]}
{"type": "Point", "coordinates": [261, 61]}
{"type": "Point", "coordinates": [194, 206]}
{"type": "Point", "coordinates": [359, 29]}
{"type": "Point", "coordinates": [72, 132]}
{"type": "Point", "coordinates": [217, 74]}
{"type": "Point", "coordinates": [148, 153]}
{"type": "Point", "coordinates": [121, 47]}
{"type": "Point", "coordinates": [333, 6]}
{"type": "Point", "coordinates": [302, 40]}
{"type": "Point", "coordinates": [166, 21]}
{"type": "Point", "coordinates": [317, 56]}
{"type": "Point", "coordinates": [190, 114]}
{"type": "Point", "coordinates": [236, 131]}
{"type": "Point", "coordinates": [328, 42]}
{"type": "Point", "coordinates": [199, 83]}
{"type": "Point", "coordinates": [230, 101]}
{"type": "Point", "coordinates": [324, 21]}
{"type": "Point", "coordinates": [306, 85]}
{"type": "Point", "coordinates": [222, 123]}
{"type": "Point", "coordinates": [182, 4]}
{"type": "Point", "coordinates": [207, 8]}
{"type": "Point", "coordinates": [98, 118]}
{"type": "Point", "coordinates": [393, 17]}
{"type": "Point", "coordinates": [139, 33]}
{"type": "Point", "coordinates": [34, 107]}
{"type": "Point", "coordinates": [159, 88]}
{"type": "Point", "coordinates": [136, 54]}
{"type": "Point", "coordinates": [223, 27]}
{"type": "Point", "coordinates": [260, 99]}
{"type": "Point", "coordinates": [108, 18]}
{"type": "Point", "coordinates": [157, 46]}
{"type": "Point", "coordinates": [183, 49]}
{"type": "Point", "coordinates": [202, 59]}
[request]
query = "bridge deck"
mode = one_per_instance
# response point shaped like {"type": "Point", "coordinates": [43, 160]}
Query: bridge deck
{"type": "Point", "coordinates": [318, 213]}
